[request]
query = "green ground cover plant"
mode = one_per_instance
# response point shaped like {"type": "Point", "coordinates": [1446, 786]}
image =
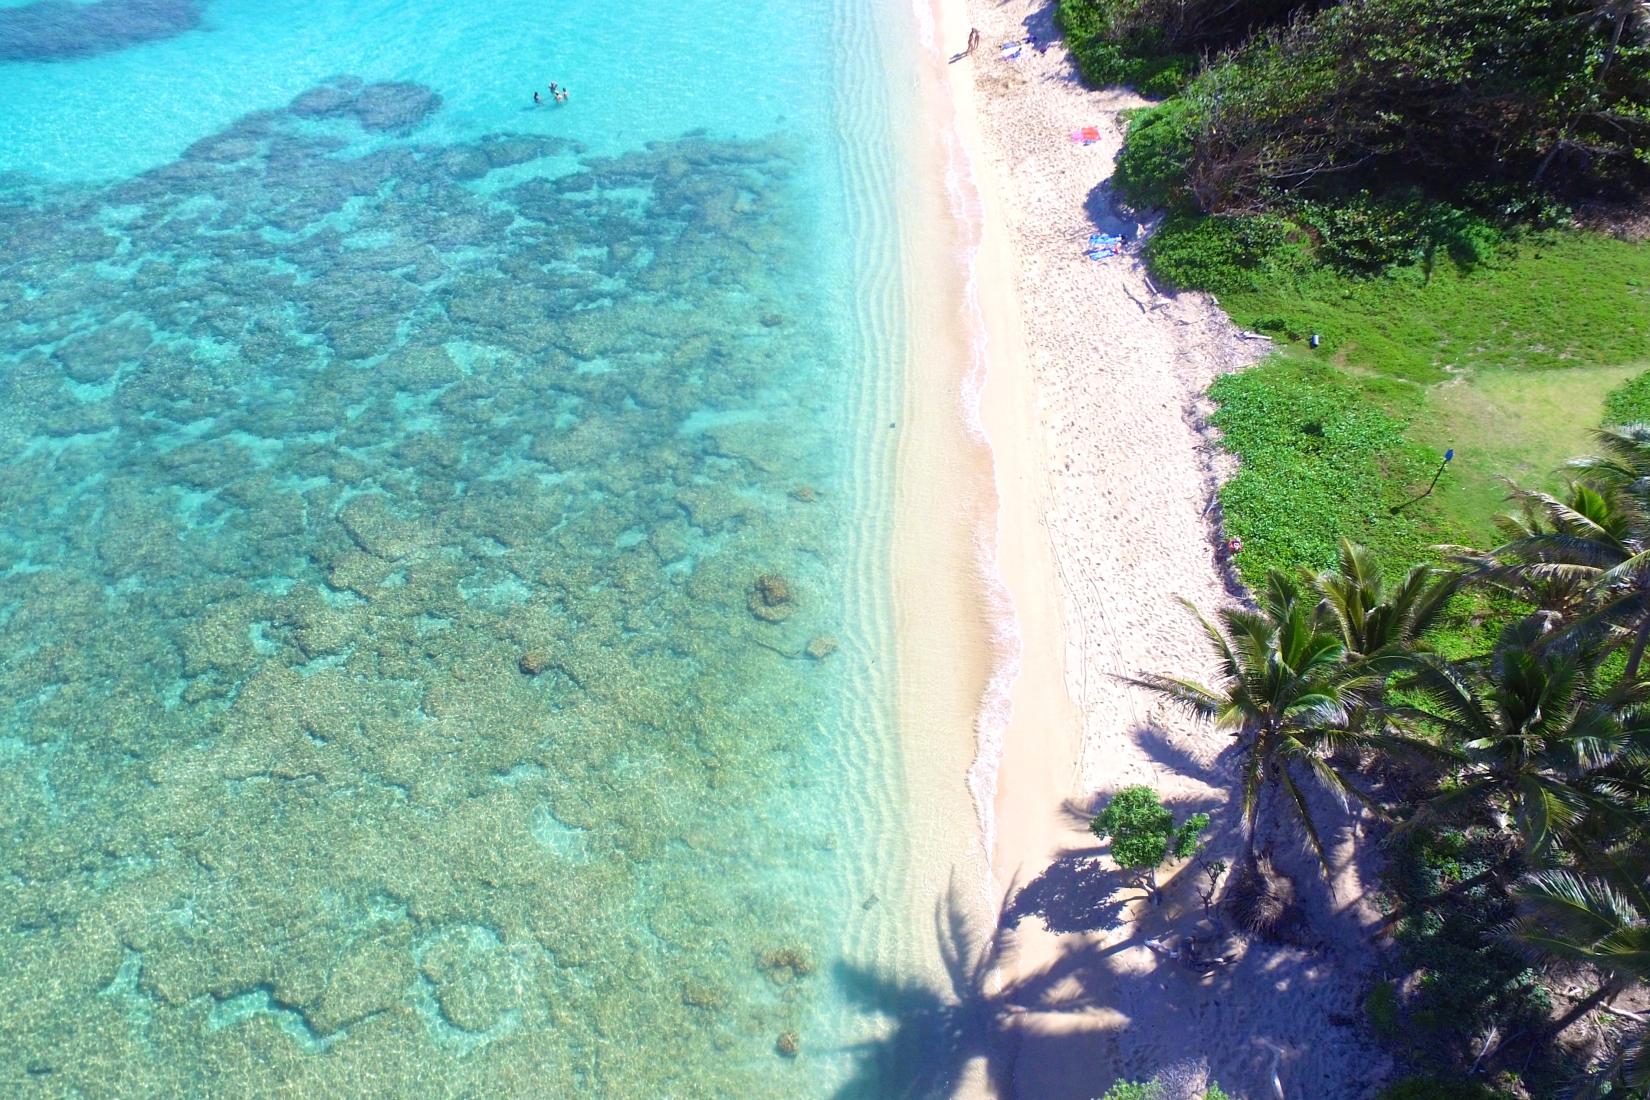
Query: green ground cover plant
{"type": "Point", "coordinates": [1153, 1090]}
{"type": "Point", "coordinates": [1510, 363]}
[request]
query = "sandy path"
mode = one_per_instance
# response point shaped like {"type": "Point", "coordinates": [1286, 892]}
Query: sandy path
{"type": "Point", "coordinates": [1104, 478]}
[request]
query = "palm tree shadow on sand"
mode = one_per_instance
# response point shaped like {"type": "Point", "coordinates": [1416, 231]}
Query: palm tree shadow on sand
{"type": "Point", "coordinates": [939, 1032]}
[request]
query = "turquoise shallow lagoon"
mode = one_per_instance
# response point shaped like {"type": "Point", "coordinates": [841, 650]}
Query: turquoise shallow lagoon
{"type": "Point", "coordinates": [441, 540]}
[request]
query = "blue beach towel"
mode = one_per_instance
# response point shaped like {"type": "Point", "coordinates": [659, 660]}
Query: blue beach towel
{"type": "Point", "coordinates": [1103, 246]}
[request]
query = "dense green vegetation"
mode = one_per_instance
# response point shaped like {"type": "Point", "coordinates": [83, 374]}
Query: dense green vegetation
{"type": "Point", "coordinates": [1283, 100]}
{"type": "Point", "coordinates": [1153, 1090]}
{"type": "Point", "coordinates": [1519, 776]}
{"type": "Point", "coordinates": [1143, 833]}
{"type": "Point", "coordinates": [1510, 356]}
{"type": "Point", "coordinates": [1383, 187]}
{"type": "Point", "coordinates": [1508, 363]}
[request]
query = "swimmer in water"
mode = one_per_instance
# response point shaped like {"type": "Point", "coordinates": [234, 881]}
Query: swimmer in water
{"type": "Point", "coordinates": [536, 98]}
{"type": "Point", "coordinates": [561, 96]}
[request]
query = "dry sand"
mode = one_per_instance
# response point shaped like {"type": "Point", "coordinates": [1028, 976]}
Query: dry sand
{"type": "Point", "coordinates": [1092, 406]}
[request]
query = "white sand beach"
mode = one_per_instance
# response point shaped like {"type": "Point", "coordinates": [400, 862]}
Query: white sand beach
{"type": "Point", "coordinates": [1105, 479]}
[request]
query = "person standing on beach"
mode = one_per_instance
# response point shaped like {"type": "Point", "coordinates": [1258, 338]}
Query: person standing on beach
{"type": "Point", "coordinates": [973, 40]}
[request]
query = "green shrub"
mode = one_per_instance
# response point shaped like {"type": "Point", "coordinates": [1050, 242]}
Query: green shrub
{"type": "Point", "coordinates": [1387, 91]}
{"type": "Point", "coordinates": [1131, 1090]}
{"type": "Point", "coordinates": [1111, 51]}
{"type": "Point", "coordinates": [1364, 234]}
{"type": "Point", "coordinates": [1142, 830]}
{"type": "Point", "coordinates": [1629, 403]}
{"type": "Point", "coordinates": [1151, 169]}
{"type": "Point", "coordinates": [1150, 1090]}
{"type": "Point", "coordinates": [1381, 1009]}
{"type": "Point", "coordinates": [1469, 981]}
{"type": "Point", "coordinates": [1220, 255]}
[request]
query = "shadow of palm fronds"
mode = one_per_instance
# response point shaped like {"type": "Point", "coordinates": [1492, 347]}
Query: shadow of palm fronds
{"type": "Point", "coordinates": [938, 1032]}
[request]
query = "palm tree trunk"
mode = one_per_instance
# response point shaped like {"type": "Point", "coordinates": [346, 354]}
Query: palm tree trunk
{"type": "Point", "coordinates": [1603, 993]}
{"type": "Point", "coordinates": [1633, 658]}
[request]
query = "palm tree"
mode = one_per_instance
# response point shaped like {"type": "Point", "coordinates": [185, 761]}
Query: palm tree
{"type": "Point", "coordinates": [1373, 618]}
{"type": "Point", "coordinates": [1602, 920]}
{"type": "Point", "coordinates": [1586, 551]}
{"type": "Point", "coordinates": [1289, 695]}
{"type": "Point", "coordinates": [1541, 742]}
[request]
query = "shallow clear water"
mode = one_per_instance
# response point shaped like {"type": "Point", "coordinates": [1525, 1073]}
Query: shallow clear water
{"type": "Point", "coordinates": [434, 625]}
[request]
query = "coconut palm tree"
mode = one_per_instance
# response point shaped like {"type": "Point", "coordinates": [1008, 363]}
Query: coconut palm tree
{"type": "Point", "coordinates": [1584, 554]}
{"type": "Point", "coordinates": [1289, 694]}
{"type": "Point", "coordinates": [1373, 617]}
{"type": "Point", "coordinates": [1603, 920]}
{"type": "Point", "coordinates": [1544, 747]}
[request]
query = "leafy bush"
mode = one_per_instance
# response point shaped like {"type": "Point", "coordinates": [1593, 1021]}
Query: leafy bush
{"type": "Point", "coordinates": [1363, 234]}
{"type": "Point", "coordinates": [1132, 1090]}
{"type": "Point", "coordinates": [1151, 169]}
{"type": "Point", "coordinates": [1629, 403]}
{"type": "Point", "coordinates": [1156, 46]}
{"type": "Point", "coordinates": [1150, 1090]}
{"type": "Point", "coordinates": [1111, 50]}
{"type": "Point", "coordinates": [1142, 830]}
{"type": "Point", "coordinates": [1443, 92]}
{"type": "Point", "coordinates": [1469, 980]}
{"type": "Point", "coordinates": [1192, 251]}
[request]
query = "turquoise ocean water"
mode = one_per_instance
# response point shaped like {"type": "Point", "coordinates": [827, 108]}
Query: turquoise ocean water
{"type": "Point", "coordinates": [443, 639]}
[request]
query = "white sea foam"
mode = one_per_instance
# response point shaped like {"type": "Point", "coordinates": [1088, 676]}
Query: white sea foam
{"type": "Point", "coordinates": [996, 707]}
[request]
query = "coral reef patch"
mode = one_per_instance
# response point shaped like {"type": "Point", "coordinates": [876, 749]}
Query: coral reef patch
{"type": "Point", "coordinates": [54, 30]}
{"type": "Point", "coordinates": [385, 713]}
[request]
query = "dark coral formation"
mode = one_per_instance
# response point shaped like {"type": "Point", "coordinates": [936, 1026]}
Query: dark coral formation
{"type": "Point", "coordinates": [314, 444]}
{"type": "Point", "coordinates": [771, 599]}
{"type": "Point", "coordinates": [53, 30]}
{"type": "Point", "coordinates": [820, 646]}
{"type": "Point", "coordinates": [389, 105]}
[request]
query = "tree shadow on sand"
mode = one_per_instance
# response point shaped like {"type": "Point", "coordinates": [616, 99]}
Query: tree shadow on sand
{"type": "Point", "coordinates": [1107, 213]}
{"type": "Point", "coordinates": [1077, 892]}
{"type": "Point", "coordinates": [976, 1018]}
{"type": "Point", "coordinates": [938, 1032]}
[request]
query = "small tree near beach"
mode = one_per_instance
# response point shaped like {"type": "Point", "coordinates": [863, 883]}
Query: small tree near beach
{"type": "Point", "coordinates": [1144, 835]}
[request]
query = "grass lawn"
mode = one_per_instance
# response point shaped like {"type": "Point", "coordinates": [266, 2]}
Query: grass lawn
{"type": "Point", "coordinates": [1510, 363]}
{"type": "Point", "coordinates": [1516, 425]}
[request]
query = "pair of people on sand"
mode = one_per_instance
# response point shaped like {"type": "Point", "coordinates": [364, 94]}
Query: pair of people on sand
{"type": "Point", "coordinates": [557, 92]}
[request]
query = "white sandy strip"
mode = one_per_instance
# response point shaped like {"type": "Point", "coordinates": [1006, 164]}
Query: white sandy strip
{"type": "Point", "coordinates": [1091, 406]}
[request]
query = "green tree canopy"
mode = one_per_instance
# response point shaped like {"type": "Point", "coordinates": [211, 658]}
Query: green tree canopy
{"type": "Point", "coordinates": [1143, 831]}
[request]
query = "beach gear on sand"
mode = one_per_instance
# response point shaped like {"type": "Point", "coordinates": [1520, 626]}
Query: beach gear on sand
{"type": "Point", "coordinates": [1011, 51]}
{"type": "Point", "coordinates": [1103, 246]}
{"type": "Point", "coordinates": [1088, 135]}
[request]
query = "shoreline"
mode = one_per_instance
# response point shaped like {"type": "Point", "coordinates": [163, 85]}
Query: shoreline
{"type": "Point", "coordinates": [1092, 405]}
